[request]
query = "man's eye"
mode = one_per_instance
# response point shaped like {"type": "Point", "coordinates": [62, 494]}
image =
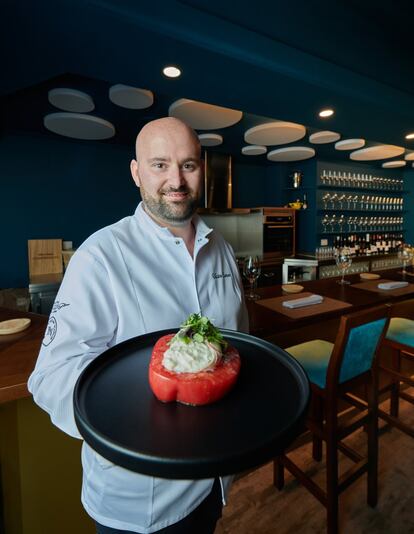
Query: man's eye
{"type": "Point", "coordinates": [159, 165]}
{"type": "Point", "coordinates": [189, 166]}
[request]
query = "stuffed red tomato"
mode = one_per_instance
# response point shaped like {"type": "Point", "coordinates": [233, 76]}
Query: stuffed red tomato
{"type": "Point", "coordinates": [193, 368]}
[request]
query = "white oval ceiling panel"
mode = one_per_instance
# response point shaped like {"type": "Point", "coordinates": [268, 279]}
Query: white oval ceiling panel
{"type": "Point", "coordinates": [79, 126]}
{"type": "Point", "coordinates": [71, 100]}
{"type": "Point", "coordinates": [253, 150]}
{"type": "Point", "coordinates": [394, 164]}
{"type": "Point", "coordinates": [376, 152]}
{"type": "Point", "coordinates": [409, 156]}
{"type": "Point", "coordinates": [291, 153]}
{"type": "Point", "coordinates": [129, 97]}
{"type": "Point", "coordinates": [275, 133]}
{"type": "Point", "coordinates": [210, 139]}
{"type": "Point", "coordinates": [350, 144]}
{"type": "Point", "coordinates": [320, 138]}
{"type": "Point", "coordinates": [202, 116]}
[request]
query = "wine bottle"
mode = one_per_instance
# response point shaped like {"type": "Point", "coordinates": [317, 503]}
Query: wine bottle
{"type": "Point", "coordinates": [386, 244]}
{"type": "Point", "coordinates": [361, 246]}
{"type": "Point", "coordinates": [305, 203]}
{"type": "Point", "coordinates": [357, 248]}
{"type": "Point", "coordinates": [352, 245]}
{"type": "Point", "coordinates": [368, 245]}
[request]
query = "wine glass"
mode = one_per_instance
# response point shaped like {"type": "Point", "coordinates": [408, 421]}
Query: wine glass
{"type": "Point", "coordinates": [251, 270]}
{"type": "Point", "coordinates": [405, 254]}
{"type": "Point", "coordinates": [343, 260]}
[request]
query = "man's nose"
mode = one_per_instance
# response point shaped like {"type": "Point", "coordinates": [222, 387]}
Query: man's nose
{"type": "Point", "coordinates": [176, 176]}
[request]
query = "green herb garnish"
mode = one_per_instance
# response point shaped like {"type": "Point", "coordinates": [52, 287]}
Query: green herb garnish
{"type": "Point", "coordinates": [199, 328]}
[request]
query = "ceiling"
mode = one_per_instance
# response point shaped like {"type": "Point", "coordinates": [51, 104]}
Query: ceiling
{"type": "Point", "coordinates": [282, 61]}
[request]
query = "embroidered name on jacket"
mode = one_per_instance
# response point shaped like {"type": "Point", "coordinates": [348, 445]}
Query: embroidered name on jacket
{"type": "Point", "coordinates": [221, 275]}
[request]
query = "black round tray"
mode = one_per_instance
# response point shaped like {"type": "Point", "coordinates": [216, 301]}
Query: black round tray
{"type": "Point", "coordinates": [118, 415]}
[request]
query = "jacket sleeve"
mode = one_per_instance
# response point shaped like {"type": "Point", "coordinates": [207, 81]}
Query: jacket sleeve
{"type": "Point", "coordinates": [81, 325]}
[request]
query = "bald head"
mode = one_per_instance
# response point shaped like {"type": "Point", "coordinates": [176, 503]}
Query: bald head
{"type": "Point", "coordinates": [167, 128]}
{"type": "Point", "coordinates": [168, 170]}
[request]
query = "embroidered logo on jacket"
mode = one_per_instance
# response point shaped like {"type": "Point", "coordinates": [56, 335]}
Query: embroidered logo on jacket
{"type": "Point", "coordinates": [58, 305]}
{"type": "Point", "coordinates": [50, 333]}
{"type": "Point", "coordinates": [221, 275]}
{"type": "Point", "coordinates": [51, 327]}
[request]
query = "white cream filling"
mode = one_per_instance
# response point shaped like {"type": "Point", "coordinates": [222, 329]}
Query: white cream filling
{"type": "Point", "coordinates": [188, 357]}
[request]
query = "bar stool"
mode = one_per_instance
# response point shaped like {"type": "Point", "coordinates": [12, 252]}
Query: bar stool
{"type": "Point", "coordinates": [335, 370]}
{"type": "Point", "coordinates": [400, 339]}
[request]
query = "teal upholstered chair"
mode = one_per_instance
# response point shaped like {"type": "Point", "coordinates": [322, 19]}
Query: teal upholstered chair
{"type": "Point", "coordinates": [400, 339]}
{"type": "Point", "coordinates": [335, 370]}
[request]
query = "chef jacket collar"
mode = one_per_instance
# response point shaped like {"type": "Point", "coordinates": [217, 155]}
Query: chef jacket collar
{"type": "Point", "coordinates": [202, 230]}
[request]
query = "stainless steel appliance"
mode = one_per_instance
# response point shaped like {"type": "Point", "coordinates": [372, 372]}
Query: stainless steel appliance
{"type": "Point", "coordinates": [278, 232]}
{"type": "Point", "coordinates": [297, 270]}
{"type": "Point", "coordinates": [267, 232]}
{"type": "Point", "coordinates": [217, 180]}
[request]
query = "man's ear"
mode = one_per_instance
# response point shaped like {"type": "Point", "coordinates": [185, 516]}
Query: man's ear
{"type": "Point", "coordinates": [134, 172]}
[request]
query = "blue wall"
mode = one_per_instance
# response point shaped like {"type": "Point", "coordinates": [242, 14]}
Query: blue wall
{"type": "Point", "coordinates": [57, 188]}
{"type": "Point", "coordinates": [249, 183]}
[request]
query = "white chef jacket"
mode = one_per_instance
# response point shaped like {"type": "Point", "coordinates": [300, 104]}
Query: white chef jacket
{"type": "Point", "coordinates": [128, 279]}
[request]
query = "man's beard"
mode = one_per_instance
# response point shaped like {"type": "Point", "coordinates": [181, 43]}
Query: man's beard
{"type": "Point", "coordinates": [175, 213]}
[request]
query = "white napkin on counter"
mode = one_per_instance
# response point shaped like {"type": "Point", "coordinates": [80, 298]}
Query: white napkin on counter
{"type": "Point", "coordinates": [392, 285]}
{"type": "Point", "coordinates": [305, 301]}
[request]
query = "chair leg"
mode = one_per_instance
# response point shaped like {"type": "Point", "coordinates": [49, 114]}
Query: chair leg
{"type": "Point", "coordinates": [317, 416]}
{"type": "Point", "coordinates": [278, 473]}
{"type": "Point", "coordinates": [332, 492]}
{"type": "Point", "coordinates": [372, 435]}
{"type": "Point", "coordinates": [395, 387]}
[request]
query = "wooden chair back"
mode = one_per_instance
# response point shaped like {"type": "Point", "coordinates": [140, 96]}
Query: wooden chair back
{"type": "Point", "coordinates": [358, 338]}
{"type": "Point", "coordinates": [403, 309]}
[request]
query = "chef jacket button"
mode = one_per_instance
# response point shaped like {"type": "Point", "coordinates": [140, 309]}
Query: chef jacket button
{"type": "Point", "coordinates": [177, 242]}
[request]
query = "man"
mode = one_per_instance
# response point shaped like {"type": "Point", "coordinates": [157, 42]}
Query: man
{"type": "Point", "coordinates": [145, 273]}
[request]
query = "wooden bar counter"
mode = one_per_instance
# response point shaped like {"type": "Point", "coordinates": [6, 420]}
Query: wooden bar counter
{"type": "Point", "coordinates": [18, 353]}
{"type": "Point", "coordinates": [40, 465]}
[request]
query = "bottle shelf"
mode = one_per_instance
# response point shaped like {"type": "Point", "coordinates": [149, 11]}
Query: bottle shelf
{"type": "Point", "coordinates": [357, 189]}
{"type": "Point", "coordinates": [368, 231]}
{"type": "Point", "coordinates": [363, 210]}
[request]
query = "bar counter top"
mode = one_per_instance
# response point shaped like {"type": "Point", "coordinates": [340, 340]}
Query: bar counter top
{"type": "Point", "coordinates": [18, 352]}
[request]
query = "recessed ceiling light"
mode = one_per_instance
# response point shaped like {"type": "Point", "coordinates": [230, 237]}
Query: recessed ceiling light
{"type": "Point", "coordinates": [171, 71]}
{"type": "Point", "coordinates": [326, 113]}
{"type": "Point", "coordinates": [410, 136]}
